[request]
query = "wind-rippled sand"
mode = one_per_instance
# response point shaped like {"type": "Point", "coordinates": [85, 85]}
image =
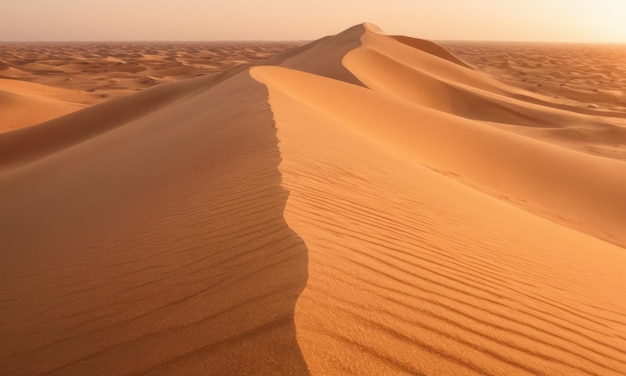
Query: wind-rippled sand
{"type": "Point", "coordinates": [363, 204]}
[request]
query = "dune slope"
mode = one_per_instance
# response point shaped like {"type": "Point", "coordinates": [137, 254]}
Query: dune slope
{"type": "Point", "coordinates": [411, 272]}
{"type": "Point", "coordinates": [25, 103]}
{"type": "Point", "coordinates": [365, 205]}
{"type": "Point", "coordinates": [157, 246]}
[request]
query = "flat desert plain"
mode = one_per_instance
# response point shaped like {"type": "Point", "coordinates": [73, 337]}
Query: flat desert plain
{"type": "Point", "coordinates": [363, 204]}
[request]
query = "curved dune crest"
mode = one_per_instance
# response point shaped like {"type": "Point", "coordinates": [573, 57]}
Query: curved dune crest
{"type": "Point", "coordinates": [531, 170]}
{"type": "Point", "coordinates": [431, 48]}
{"type": "Point", "coordinates": [411, 272]}
{"type": "Point", "coordinates": [363, 204]}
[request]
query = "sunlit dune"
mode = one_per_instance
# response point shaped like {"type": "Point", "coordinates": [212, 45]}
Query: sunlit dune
{"type": "Point", "coordinates": [363, 204]}
{"type": "Point", "coordinates": [25, 104]}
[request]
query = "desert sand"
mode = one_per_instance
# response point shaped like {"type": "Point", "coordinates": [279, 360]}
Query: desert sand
{"type": "Point", "coordinates": [85, 73]}
{"type": "Point", "coordinates": [363, 204]}
{"type": "Point", "coordinates": [587, 73]}
{"type": "Point", "coordinates": [24, 103]}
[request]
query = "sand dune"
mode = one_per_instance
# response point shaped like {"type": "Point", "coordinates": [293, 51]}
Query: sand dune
{"type": "Point", "coordinates": [25, 103]}
{"type": "Point", "coordinates": [363, 204]}
{"type": "Point", "coordinates": [147, 243]}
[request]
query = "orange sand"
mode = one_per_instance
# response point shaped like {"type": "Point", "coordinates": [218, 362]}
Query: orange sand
{"type": "Point", "coordinates": [25, 103]}
{"type": "Point", "coordinates": [363, 204]}
{"type": "Point", "coordinates": [82, 73]}
{"type": "Point", "coordinates": [591, 74]}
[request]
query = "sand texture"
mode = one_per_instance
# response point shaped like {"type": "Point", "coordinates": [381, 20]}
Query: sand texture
{"type": "Point", "coordinates": [95, 72]}
{"type": "Point", "coordinates": [363, 204]}
{"type": "Point", "coordinates": [590, 74]}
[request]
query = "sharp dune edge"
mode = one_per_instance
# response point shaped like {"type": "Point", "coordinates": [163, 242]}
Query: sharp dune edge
{"type": "Point", "coordinates": [364, 204]}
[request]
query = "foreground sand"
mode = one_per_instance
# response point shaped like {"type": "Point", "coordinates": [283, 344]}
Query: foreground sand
{"type": "Point", "coordinates": [363, 204]}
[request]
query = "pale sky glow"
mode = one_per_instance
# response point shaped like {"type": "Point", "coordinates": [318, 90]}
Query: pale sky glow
{"type": "Point", "coordinates": [526, 20]}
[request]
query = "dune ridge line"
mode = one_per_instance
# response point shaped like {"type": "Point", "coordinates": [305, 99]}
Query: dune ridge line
{"type": "Point", "coordinates": [362, 204]}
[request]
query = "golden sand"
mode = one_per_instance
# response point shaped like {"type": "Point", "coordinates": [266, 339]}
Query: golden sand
{"type": "Point", "coordinates": [364, 204]}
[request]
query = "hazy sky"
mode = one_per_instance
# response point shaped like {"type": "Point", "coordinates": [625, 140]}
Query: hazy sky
{"type": "Point", "coordinates": [529, 20]}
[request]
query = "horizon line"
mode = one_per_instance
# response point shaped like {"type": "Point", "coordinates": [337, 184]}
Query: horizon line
{"type": "Point", "coordinates": [292, 41]}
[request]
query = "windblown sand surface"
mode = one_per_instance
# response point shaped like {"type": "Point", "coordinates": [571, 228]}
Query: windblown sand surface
{"type": "Point", "coordinates": [364, 204]}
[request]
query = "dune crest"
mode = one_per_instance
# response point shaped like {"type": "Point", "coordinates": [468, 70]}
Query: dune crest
{"type": "Point", "coordinates": [431, 48]}
{"type": "Point", "coordinates": [363, 204]}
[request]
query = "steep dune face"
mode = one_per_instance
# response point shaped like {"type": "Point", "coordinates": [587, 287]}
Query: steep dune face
{"type": "Point", "coordinates": [423, 74]}
{"type": "Point", "coordinates": [324, 57]}
{"type": "Point", "coordinates": [430, 48]}
{"type": "Point", "coordinates": [157, 244]}
{"type": "Point", "coordinates": [366, 205]}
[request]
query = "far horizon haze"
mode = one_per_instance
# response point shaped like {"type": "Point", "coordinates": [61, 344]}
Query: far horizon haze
{"type": "Point", "coordinates": [599, 21]}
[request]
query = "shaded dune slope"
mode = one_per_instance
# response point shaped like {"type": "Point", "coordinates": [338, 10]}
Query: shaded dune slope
{"type": "Point", "coordinates": [157, 246]}
{"type": "Point", "coordinates": [332, 49]}
{"type": "Point", "coordinates": [35, 142]}
{"type": "Point", "coordinates": [366, 205]}
{"type": "Point", "coordinates": [431, 48]}
{"type": "Point", "coordinates": [419, 73]}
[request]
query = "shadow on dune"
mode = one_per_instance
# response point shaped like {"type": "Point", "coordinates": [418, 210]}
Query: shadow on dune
{"type": "Point", "coordinates": [146, 234]}
{"type": "Point", "coordinates": [153, 243]}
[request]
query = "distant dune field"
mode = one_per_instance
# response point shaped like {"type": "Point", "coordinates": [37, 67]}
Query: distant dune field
{"type": "Point", "coordinates": [587, 73]}
{"type": "Point", "coordinates": [96, 72]}
{"type": "Point", "coordinates": [363, 204]}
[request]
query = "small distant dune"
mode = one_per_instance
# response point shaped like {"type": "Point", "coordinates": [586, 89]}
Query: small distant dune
{"type": "Point", "coordinates": [108, 70]}
{"type": "Point", "coordinates": [25, 103]}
